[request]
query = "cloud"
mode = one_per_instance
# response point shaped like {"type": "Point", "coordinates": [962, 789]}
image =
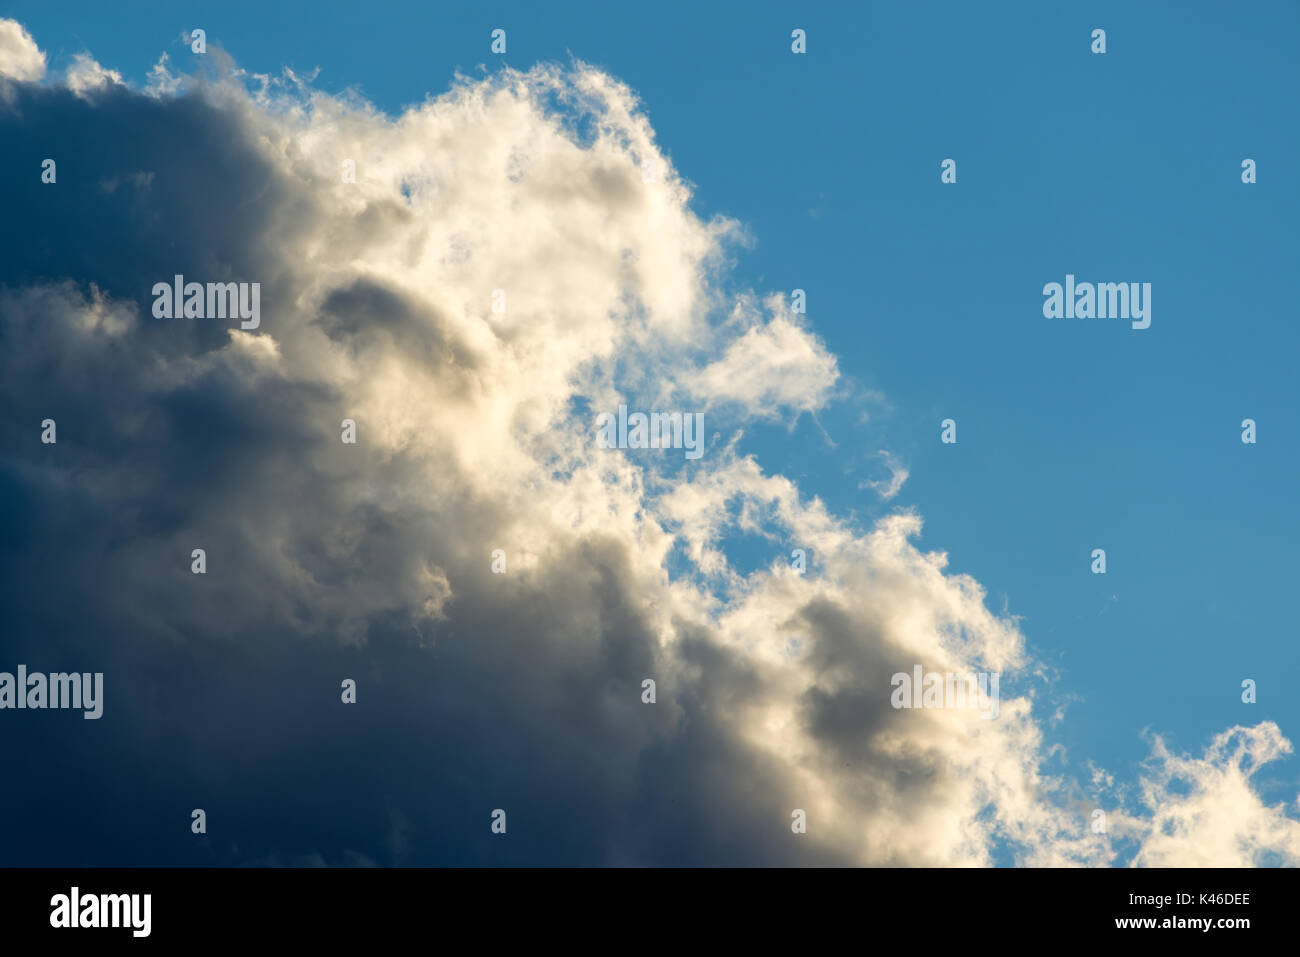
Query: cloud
{"type": "Point", "coordinates": [20, 58]}
{"type": "Point", "coordinates": [889, 488]}
{"type": "Point", "coordinates": [373, 561]}
{"type": "Point", "coordinates": [774, 366]}
{"type": "Point", "coordinates": [1205, 812]}
{"type": "Point", "coordinates": [85, 75]}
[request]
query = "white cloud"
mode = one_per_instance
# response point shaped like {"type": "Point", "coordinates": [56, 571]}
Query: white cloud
{"type": "Point", "coordinates": [20, 58]}
{"type": "Point", "coordinates": [84, 74]}
{"type": "Point", "coordinates": [1205, 812]}
{"type": "Point", "coordinates": [888, 488]}
{"type": "Point", "coordinates": [773, 368]}
{"type": "Point", "coordinates": [162, 82]}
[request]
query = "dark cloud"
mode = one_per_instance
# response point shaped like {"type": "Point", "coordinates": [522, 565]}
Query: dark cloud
{"type": "Point", "coordinates": [222, 691]}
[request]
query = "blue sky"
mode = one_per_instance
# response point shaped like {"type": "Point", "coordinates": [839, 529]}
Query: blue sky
{"type": "Point", "coordinates": [1072, 434]}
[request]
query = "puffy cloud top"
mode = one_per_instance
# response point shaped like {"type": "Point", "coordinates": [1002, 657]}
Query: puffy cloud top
{"type": "Point", "coordinates": [20, 58]}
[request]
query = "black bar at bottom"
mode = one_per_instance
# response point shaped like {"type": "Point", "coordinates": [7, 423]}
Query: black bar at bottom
{"type": "Point", "coordinates": [655, 907]}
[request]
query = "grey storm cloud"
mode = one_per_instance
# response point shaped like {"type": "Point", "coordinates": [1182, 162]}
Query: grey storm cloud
{"type": "Point", "coordinates": [372, 561]}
